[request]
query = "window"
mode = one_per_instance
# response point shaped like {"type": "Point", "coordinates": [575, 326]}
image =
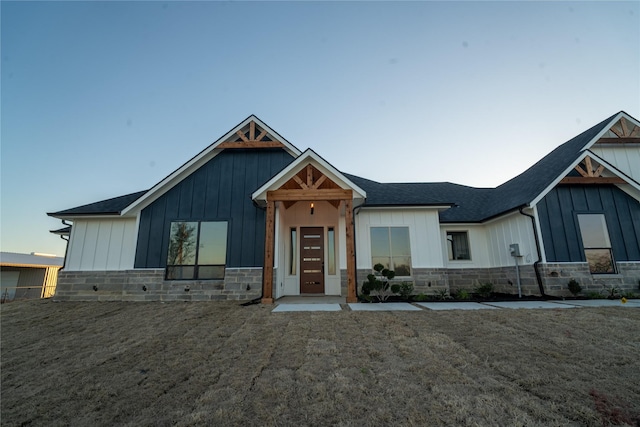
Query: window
{"type": "Point", "coordinates": [197, 250]}
{"type": "Point", "coordinates": [390, 247]}
{"type": "Point", "coordinates": [331, 250]}
{"type": "Point", "coordinates": [596, 243]}
{"type": "Point", "coordinates": [293, 258]}
{"type": "Point", "coordinates": [458, 245]}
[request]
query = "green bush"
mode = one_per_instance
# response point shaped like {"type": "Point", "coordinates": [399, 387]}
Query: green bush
{"type": "Point", "coordinates": [405, 289]}
{"type": "Point", "coordinates": [421, 297]}
{"type": "Point", "coordinates": [574, 287]}
{"type": "Point", "coordinates": [612, 293]}
{"type": "Point", "coordinates": [442, 294]}
{"type": "Point", "coordinates": [378, 283]}
{"type": "Point", "coordinates": [484, 290]}
{"type": "Point", "coordinates": [462, 294]}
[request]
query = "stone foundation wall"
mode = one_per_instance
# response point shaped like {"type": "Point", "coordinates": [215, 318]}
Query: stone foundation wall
{"type": "Point", "coordinates": [149, 285]}
{"type": "Point", "coordinates": [504, 279]}
{"type": "Point", "coordinates": [428, 281]}
{"type": "Point", "coordinates": [556, 276]}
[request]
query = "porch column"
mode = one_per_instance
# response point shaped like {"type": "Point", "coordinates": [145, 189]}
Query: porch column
{"type": "Point", "coordinates": [351, 253]}
{"type": "Point", "coordinates": [267, 269]}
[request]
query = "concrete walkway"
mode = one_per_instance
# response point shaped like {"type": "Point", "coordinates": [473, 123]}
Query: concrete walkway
{"type": "Point", "coordinates": [323, 303]}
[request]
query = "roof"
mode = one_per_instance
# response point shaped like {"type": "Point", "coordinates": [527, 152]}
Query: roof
{"type": "Point", "coordinates": [203, 157]}
{"type": "Point", "coordinates": [64, 231]}
{"type": "Point", "coordinates": [104, 207]}
{"type": "Point", "coordinates": [309, 157]}
{"type": "Point", "coordinates": [469, 204]}
{"type": "Point", "coordinates": [481, 204]}
{"type": "Point", "coordinates": [12, 259]}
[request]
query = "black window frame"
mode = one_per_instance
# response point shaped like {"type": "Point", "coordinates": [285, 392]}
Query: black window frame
{"type": "Point", "coordinates": [196, 265]}
{"type": "Point", "coordinates": [453, 247]}
{"type": "Point", "coordinates": [586, 250]}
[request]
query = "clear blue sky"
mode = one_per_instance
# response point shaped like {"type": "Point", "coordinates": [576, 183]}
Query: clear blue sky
{"type": "Point", "coordinates": [103, 99]}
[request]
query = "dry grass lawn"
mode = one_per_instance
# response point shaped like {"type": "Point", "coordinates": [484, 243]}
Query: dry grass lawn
{"type": "Point", "coordinates": [136, 364]}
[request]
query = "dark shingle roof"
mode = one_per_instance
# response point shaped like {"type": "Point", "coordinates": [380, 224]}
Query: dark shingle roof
{"type": "Point", "coordinates": [469, 204]}
{"type": "Point", "coordinates": [480, 204]}
{"type": "Point", "coordinates": [104, 207]}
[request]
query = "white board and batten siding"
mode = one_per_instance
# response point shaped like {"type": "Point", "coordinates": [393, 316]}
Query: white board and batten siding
{"type": "Point", "coordinates": [102, 244]}
{"type": "Point", "coordinates": [502, 232]}
{"type": "Point", "coordinates": [477, 246]}
{"type": "Point", "coordinates": [424, 234]}
{"type": "Point", "coordinates": [624, 157]}
{"type": "Point", "coordinates": [489, 243]}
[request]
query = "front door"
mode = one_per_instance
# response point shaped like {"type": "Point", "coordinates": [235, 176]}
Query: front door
{"type": "Point", "coordinates": [311, 260]}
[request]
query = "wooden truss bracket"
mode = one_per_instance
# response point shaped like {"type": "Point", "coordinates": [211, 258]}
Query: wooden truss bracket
{"type": "Point", "coordinates": [251, 141]}
{"type": "Point", "coordinates": [589, 174]}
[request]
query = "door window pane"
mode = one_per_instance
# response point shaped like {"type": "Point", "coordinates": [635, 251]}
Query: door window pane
{"type": "Point", "coordinates": [293, 245]}
{"type": "Point", "coordinates": [331, 250]}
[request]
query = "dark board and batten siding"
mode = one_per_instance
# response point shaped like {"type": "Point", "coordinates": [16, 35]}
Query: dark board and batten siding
{"type": "Point", "coordinates": [218, 191]}
{"type": "Point", "coordinates": [560, 232]}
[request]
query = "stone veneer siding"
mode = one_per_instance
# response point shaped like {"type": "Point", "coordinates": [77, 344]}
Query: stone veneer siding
{"type": "Point", "coordinates": [504, 279]}
{"type": "Point", "coordinates": [556, 276]}
{"type": "Point", "coordinates": [430, 281]}
{"type": "Point", "coordinates": [149, 285]}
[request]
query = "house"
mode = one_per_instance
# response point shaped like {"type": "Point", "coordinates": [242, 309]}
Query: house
{"type": "Point", "coordinates": [251, 216]}
{"type": "Point", "coordinates": [28, 276]}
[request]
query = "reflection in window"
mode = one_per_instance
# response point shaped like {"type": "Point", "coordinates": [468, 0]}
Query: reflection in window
{"type": "Point", "coordinates": [331, 250]}
{"type": "Point", "coordinates": [293, 245]}
{"type": "Point", "coordinates": [596, 243]}
{"type": "Point", "coordinates": [458, 245]}
{"type": "Point", "coordinates": [390, 247]}
{"type": "Point", "coordinates": [197, 250]}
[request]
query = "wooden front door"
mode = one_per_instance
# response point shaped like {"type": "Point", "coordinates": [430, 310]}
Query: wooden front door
{"type": "Point", "coordinates": [311, 260]}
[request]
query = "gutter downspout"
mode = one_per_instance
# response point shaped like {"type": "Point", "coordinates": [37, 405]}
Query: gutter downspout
{"type": "Point", "coordinates": [66, 248]}
{"type": "Point", "coordinates": [355, 251]}
{"type": "Point", "coordinates": [535, 264]}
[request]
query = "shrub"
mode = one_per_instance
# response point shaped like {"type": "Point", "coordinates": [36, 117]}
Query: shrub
{"type": "Point", "coordinates": [484, 290]}
{"type": "Point", "coordinates": [405, 289]}
{"type": "Point", "coordinates": [421, 297]}
{"type": "Point", "coordinates": [612, 293]}
{"type": "Point", "coordinates": [594, 295]}
{"type": "Point", "coordinates": [574, 287]}
{"type": "Point", "coordinates": [378, 283]}
{"type": "Point", "coordinates": [462, 294]}
{"type": "Point", "coordinates": [442, 294]}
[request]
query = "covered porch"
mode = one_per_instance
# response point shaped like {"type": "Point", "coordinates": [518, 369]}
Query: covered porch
{"type": "Point", "coordinates": [309, 239]}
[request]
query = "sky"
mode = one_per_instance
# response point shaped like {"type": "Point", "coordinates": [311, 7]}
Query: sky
{"type": "Point", "coordinates": [102, 99]}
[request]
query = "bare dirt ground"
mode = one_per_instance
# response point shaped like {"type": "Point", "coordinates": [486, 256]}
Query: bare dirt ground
{"type": "Point", "coordinates": [136, 364]}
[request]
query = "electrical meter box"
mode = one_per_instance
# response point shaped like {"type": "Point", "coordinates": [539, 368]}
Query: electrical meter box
{"type": "Point", "coordinates": [514, 250]}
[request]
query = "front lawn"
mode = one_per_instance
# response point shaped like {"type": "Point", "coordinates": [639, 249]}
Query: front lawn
{"type": "Point", "coordinates": [124, 363]}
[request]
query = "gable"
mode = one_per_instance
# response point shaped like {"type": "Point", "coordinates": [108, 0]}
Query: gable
{"type": "Point", "coordinates": [250, 134]}
{"type": "Point", "coordinates": [304, 177]}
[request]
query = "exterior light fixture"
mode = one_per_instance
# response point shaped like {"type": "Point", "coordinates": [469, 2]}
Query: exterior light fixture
{"type": "Point", "coordinates": [311, 208]}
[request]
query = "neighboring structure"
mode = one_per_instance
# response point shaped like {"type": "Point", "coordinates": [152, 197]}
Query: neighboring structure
{"type": "Point", "coordinates": [252, 216]}
{"type": "Point", "coordinates": [24, 276]}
